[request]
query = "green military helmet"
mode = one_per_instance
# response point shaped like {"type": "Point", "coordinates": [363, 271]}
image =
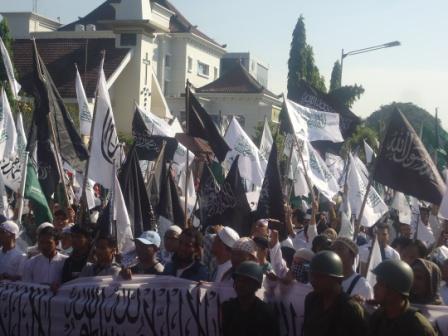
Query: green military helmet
{"type": "Point", "coordinates": [327, 263]}
{"type": "Point", "coordinates": [396, 274]}
{"type": "Point", "coordinates": [250, 270]}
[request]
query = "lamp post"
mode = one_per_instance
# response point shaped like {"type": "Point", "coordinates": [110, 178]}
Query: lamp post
{"type": "Point", "coordinates": [364, 50]}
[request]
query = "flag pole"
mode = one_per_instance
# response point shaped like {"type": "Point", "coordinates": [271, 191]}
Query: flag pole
{"type": "Point", "coordinates": [288, 166]}
{"type": "Point", "coordinates": [22, 189]}
{"type": "Point", "coordinates": [187, 166]}
{"type": "Point", "coordinates": [83, 201]}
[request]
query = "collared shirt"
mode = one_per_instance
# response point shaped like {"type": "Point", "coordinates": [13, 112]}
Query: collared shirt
{"type": "Point", "coordinates": [389, 253]}
{"type": "Point", "coordinates": [195, 272]}
{"type": "Point", "coordinates": [361, 288]}
{"type": "Point", "coordinates": [221, 270]}
{"type": "Point", "coordinates": [12, 261]}
{"type": "Point", "coordinates": [42, 270]}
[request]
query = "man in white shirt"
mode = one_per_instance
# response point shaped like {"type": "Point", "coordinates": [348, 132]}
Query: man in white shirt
{"type": "Point", "coordinates": [222, 250]}
{"type": "Point", "coordinates": [11, 258]}
{"type": "Point", "coordinates": [353, 283]}
{"type": "Point", "coordinates": [387, 252]}
{"type": "Point", "coordinates": [46, 268]}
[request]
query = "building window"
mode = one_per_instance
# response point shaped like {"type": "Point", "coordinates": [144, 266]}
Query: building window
{"type": "Point", "coordinates": [165, 88]}
{"type": "Point", "coordinates": [203, 69]}
{"type": "Point", "coordinates": [128, 40]}
{"type": "Point", "coordinates": [190, 64]}
{"type": "Point", "coordinates": [167, 61]}
{"type": "Point", "coordinates": [215, 72]}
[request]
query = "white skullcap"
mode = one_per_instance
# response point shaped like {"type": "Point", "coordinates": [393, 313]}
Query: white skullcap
{"type": "Point", "coordinates": [11, 227]}
{"type": "Point", "coordinates": [228, 236]}
{"type": "Point", "coordinates": [304, 253]}
{"type": "Point", "coordinates": [43, 226]}
{"type": "Point", "coordinates": [246, 244]}
{"type": "Point", "coordinates": [175, 228]}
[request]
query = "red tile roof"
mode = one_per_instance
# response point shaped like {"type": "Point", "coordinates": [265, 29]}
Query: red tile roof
{"type": "Point", "coordinates": [178, 23]}
{"type": "Point", "coordinates": [236, 80]}
{"type": "Point", "coordinates": [60, 55]}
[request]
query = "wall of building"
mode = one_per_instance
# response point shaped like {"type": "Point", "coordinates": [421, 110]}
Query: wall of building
{"type": "Point", "coordinates": [198, 53]}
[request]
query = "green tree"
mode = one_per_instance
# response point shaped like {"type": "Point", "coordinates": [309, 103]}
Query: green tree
{"type": "Point", "coordinates": [336, 74]}
{"type": "Point", "coordinates": [5, 34]}
{"type": "Point", "coordinates": [301, 64]}
{"type": "Point", "coordinates": [356, 141]}
{"type": "Point", "coordinates": [348, 94]}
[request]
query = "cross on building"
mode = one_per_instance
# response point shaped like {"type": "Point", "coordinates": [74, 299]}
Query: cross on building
{"type": "Point", "coordinates": [146, 62]}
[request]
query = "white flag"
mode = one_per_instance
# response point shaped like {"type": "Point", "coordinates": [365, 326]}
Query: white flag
{"type": "Point", "coordinates": [176, 126]}
{"type": "Point", "coordinates": [11, 171]}
{"type": "Point", "coordinates": [320, 125]}
{"type": "Point", "coordinates": [105, 148]}
{"type": "Point", "coordinates": [375, 260]}
{"type": "Point", "coordinates": [120, 214]}
{"type": "Point", "coordinates": [300, 185]}
{"type": "Point", "coordinates": [265, 145]}
{"type": "Point", "coordinates": [298, 123]}
{"type": "Point", "coordinates": [21, 137]}
{"type": "Point", "coordinates": [370, 154]}
{"type": "Point", "coordinates": [4, 207]}
{"type": "Point", "coordinates": [319, 173]}
{"type": "Point", "coordinates": [347, 229]}
{"type": "Point", "coordinates": [443, 209]}
{"type": "Point", "coordinates": [401, 204]}
{"type": "Point", "coordinates": [375, 207]}
{"type": "Point", "coordinates": [336, 166]}
{"type": "Point", "coordinates": [15, 86]}
{"type": "Point", "coordinates": [8, 133]}
{"type": "Point", "coordinates": [85, 113]}
{"type": "Point", "coordinates": [249, 161]}
{"type": "Point", "coordinates": [191, 192]}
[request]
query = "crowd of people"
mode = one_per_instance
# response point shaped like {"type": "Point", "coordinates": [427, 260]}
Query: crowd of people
{"type": "Point", "coordinates": [342, 301]}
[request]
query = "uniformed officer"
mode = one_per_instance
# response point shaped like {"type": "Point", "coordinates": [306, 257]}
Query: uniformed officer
{"type": "Point", "coordinates": [247, 315]}
{"type": "Point", "coordinates": [395, 316]}
{"type": "Point", "coordinates": [328, 309]}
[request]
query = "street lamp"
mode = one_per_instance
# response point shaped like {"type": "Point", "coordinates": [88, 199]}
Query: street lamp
{"type": "Point", "coordinates": [364, 50]}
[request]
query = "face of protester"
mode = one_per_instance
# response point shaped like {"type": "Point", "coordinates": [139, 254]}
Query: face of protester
{"type": "Point", "coordinates": [5, 237]}
{"type": "Point", "coordinates": [409, 254]}
{"type": "Point", "coordinates": [104, 252]}
{"type": "Point", "coordinates": [80, 242]}
{"type": "Point", "coordinates": [405, 230]}
{"type": "Point", "coordinates": [383, 236]}
{"type": "Point", "coordinates": [145, 252]}
{"type": "Point", "coordinates": [238, 256]}
{"type": "Point", "coordinates": [60, 222]}
{"type": "Point", "coordinates": [187, 248]}
{"type": "Point", "coordinates": [420, 286]}
{"type": "Point", "coordinates": [344, 253]}
{"type": "Point", "coordinates": [245, 287]}
{"type": "Point", "coordinates": [260, 230]}
{"type": "Point", "coordinates": [322, 283]}
{"type": "Point", "coordinates": [218, 247]}
{"type": "Point", "coordinates": [71, 215]}
{"type": "Point", "coordinates": [47, 245]}
{"type": "Point", "coordinates": [424, 215]}
{"type": "Point", "coordinates": [171, 241]}
{"type": "Point", "coordinates": [380, 292]}
{"type": "Point", "coordinates": [66, 241]}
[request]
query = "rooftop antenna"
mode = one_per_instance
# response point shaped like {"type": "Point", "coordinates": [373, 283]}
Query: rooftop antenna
{"type": "Point", "coordinates": [34, 6]}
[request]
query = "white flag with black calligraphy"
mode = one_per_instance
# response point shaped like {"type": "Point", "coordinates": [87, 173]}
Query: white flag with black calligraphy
{"type": "Point", "coordinates": [85, 113]}
{"type": "Point", "coordinates": [240, 144]}
{"type": "Point", "coordinates": [370, 154]}
{"type": "Point", "coordinates": [121, 216]}
{"type": "Point", "coordinates": [265, 145]}
{"type": "Point", "coordinates": [319, 125]}
{"type": "Point", "coordinates": [8, 133]}
{"type": "Point", "coordinates": [375, 207]}
{"type": "Point", "coordinates": [319, 173]}
{"type": "Point", "coordinates": [401, 204]}
{"type": "Point", "coordinates": [15, 86]}
{"type": "Point", "coordinates": [105, 146]}
{"type": "Point", "coordinates": [336, 166]}
{"type": "Point", "coordinates": [21, 137]}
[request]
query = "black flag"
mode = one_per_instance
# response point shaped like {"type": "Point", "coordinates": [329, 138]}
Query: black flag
{"type": "Point", "coordinates": [149, 146]}
{"type": "Point", "coordinates": [135, 196]}
{"type": "Point", "coordinates": [233, 200]}
{"type": "Point", "coordinates": [170, 205]}
{"type": "Point", "coordinates": [404, 164]}
{"type": "Point", "coordinates": [270, 203]}
{"type": "Point", "coordinates": [208, 197]}
{"type": "Point", "coordinates": [200, 125]}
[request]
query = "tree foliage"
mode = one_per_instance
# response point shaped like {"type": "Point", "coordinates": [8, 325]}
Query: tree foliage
{"type": "Point", "coordinates": [301, 64]}
{"type": "Point", "coordinates": [336, 75]}
{"type": "Point", "coordinates": [348, 94]}
{"type": "Point", "coordinates": [5, 34]}
{"type": "Point", "coordinates": [356, 142]}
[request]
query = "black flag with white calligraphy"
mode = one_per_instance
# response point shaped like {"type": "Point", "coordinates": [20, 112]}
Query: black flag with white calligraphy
{"type": "Point", "coordinates": [147, 145]}
{"type": "Point", "coordinates": [135, 196]}
{"type": "Point", "coordinates": [200, 125]}
{"type": "Point", "coordinates": [208, 197]}
{"type": "Point", "coordinates": [403, 163]}
{"type": "Point", "coordinates": [270, 203]}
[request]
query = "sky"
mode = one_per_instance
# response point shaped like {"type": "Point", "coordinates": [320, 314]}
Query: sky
{"type": "Point", "coordinates": [416, 71]}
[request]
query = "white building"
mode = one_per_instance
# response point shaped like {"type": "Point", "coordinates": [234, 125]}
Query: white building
{"type": "Point", "coordinates": [151, 51]}
{"type": "Point", "coordinates": [238, 93]}
{"type": "Point", "coordinates": [254, 66]}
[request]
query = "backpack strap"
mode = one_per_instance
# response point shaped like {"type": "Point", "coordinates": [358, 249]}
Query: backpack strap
{"type": "Point", "coordinates": [353, 284]}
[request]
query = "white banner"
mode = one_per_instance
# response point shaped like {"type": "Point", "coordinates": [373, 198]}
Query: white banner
{"type": "Point", "coordinates": [370, 154]}
{"type": "Point", "coordinates": [375, 207]}
{"type": "Point", "coordinates": [146, 305]}
{"type": "Point", "coordinates": [21, 137]}
{"type": "Point", "coordinates": [320, 125]}
{"type": "Point", "coordinates": [11, 171]}
{"type": "Point", "coordinates": [8, 133]}
{"type": "Point", "coordinates": [249, 157]}
{"type": "Point", "coordinates": [85, 113]}
{"type": "Point", "coordinates": [265, 145]}
{"type": "Point", "coordinates": [15, 86]}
